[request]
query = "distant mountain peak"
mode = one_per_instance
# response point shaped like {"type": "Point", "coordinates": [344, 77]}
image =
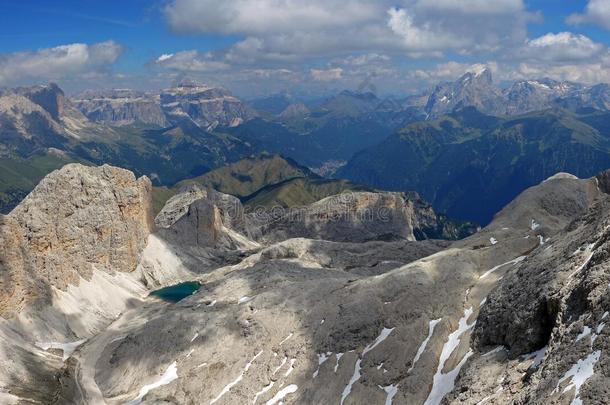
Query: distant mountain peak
{"type": "Point", "coordinates": [479, 73]}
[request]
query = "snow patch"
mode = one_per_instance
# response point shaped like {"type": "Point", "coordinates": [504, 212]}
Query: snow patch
{"type": "Point", "coordinates": [493, 240]}
{"type": "Point", "coordinates": [382, 336]}
{"type": "Point", "coordinates": [431, 325]}
{"type": "Point", "coordinates": [245, 299]}
{"type": "Point", "coordinates": [514, 261]}
{"type": "Point", "coordinates": [338, 356]}
{"type": "Point", "coordinates": [170, 375]}
{"type": "Point", "coordinates": [443, 383]}
{"type": "Point", "coordinates": [579, 374]}
{"type": "Point", "coordinates": [586, 331]}
{"type": "Point", "coordinates": [322, 357]}
{"type": "Point", "coordinates": [534, 225]}
{"type": "Point", "coordinates": [588, 250]}
{"type": "Point", "coordinates": [538, 356]}
{"type": "Point", "coordinates": [286, 338]}
{"type": "Point", "coordinates": [262, 391]}
{"type": "Point", "coordinates": [290, 389]}
{"type": "Point", "coordinates": [233, 383]}
{"type": "Point", "coordinates": [280, 366]}
{"type": "Point", "coordinates": [290, 367]}
{"type": "Point", "coordinates": [355, 377]}
{"type": "Point", "coordinates": [391, 391]}
{"type": "Point", "coordinates": [493, 351]}
{"type": "Point", "coordinates": [66, 348]}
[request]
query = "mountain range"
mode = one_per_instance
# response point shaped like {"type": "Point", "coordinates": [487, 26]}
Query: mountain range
{"type": "Point", "coordinates": [497, 140]}
{"type": "Point", "coordinates": [469, 164]}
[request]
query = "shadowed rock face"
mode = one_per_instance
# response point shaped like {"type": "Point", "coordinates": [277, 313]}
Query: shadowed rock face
{"type": "Point", "coordinates": [76, 219]}
{"type": "Point", "coordinates": [547, 322]}
{"type": "Point", "coordinates": [603, 181]}
{"type": "Point", "coordinates": [49, 97]}
{"type": "Point", "coordinates": [203, 217]}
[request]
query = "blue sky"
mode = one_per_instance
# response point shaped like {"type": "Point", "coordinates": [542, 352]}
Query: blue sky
{"type": "Point", "coordinates": [255, 47]}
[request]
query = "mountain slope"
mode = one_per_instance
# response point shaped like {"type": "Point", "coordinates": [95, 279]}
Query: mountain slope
{"type": "Point", "coordinates": [470, 165]}
{"type": "Point", "coordinates": [298, 191]}
{"type": "Point", "coordinates": [307, 320]}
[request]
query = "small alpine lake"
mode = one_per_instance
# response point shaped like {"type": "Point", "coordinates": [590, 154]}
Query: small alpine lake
{"type": "Point", "coordinates": [176, 292]}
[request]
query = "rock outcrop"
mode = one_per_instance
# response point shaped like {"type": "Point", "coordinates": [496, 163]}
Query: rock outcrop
{"type": "Point", "coordinates": [203, 217]}
{"type": "Point", "coordinates": [544, 326]}
{"type": "Point", "coordinates": [121, 107]}
{"type": "Point", "coordinates": [208, 107]}
{"type": "Point", "coordinates": [76, 220]}
{"type": "Point", "coordinates": [353, 217]}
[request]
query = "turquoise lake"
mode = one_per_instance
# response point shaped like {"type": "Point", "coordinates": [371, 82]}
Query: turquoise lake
{"type": "Point", "coordinates": [177, 292]}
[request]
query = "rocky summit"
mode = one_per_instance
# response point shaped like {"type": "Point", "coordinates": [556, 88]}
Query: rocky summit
{"type": "Point", "coordinates": [338, 304]}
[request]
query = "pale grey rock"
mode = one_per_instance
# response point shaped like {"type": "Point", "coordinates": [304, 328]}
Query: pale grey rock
{"type": "Point", "coordinates": [77, 219]}
{"type": "Point", "coordinates": [349, 217]}
{"type": "Point", "coordinates": [324, 321]}
{"type": "Point", "coordinates": [473, 89]}
{"type": "Point", "coordinates": [203, 217]}
{"type": "Point", "coordinates": [121, 107]}
{"type": "Point", "coordinates": [208, 107]}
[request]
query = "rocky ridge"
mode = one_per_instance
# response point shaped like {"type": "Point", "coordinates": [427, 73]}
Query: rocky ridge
{"type": "Point", "coordinates": [206, 106]}
{"type": "Point", "coordinates": [307, 320]}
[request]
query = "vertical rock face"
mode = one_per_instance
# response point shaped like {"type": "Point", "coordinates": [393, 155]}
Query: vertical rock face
{"type": "Point", "coordinates": [121, 107]}
{"type": "Point", "coordinates": [76, 220]}
{"type": "Point", "coordinates": [207, 106]}
{"type": "Point", "coordinates": [49, 97]}
{"type": "Point", "coordinates": [472, 89]}
{"type": "Point", "coordinates": [202, 217]}
{"type": "Point", "coordinates": [351, 217]}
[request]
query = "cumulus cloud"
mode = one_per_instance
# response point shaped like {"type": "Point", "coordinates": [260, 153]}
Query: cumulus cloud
{"type": "Point", "coordinates": [363, 60]}
{"type": "Point", "coordinates": [343, 42]}
{"type": "Point", "coordinates": [326, 75]}
{"type": "Point", "coordinates": [190, 61]}
{"type": "Point", "coordinates": [561, 47]}
{"type": "Point", "coordinates": [288, 30]}
{"type": "Point", "coordinates": [266, 16]}
{"type": "Point", "coordinates": [596, 12]}
{"type": "Point", "coordinates": [465, 27]}
{"type": "Point", "coordinates": [57, 62]}
{"type": "Point", "coordinates": [587, 73]}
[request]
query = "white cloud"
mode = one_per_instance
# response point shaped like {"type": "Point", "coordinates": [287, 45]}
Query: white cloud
{"type": "Point", "coordinates": [450, 71]}
{"type": "Point", "coordinates": [58, 62]}
{"type": "Point", "coordinates": [164, 57]}
{"type": "Point", "coordinates": [190, 61]}
{"type": "Point", "coordinates": [326, 75]}
{"type": "Point", "coordinates": [561, 47]}
{"type": "Point", "coordinates": [424, 38]}
{"type": "Point", "coordinates": [596, 12]}
{"type": "Point", "coordinates": [363, 60]}
{"type": "Point", "coordinates": [431, 27]}
{"type": "Point", "coordinates": [587, 73]}
{"type": "Point", "coordinates": [286, 31]}
{"type": "Point", "coordinates": [480, 7]}
{"type": "Point", "coordinates": [266, 16]}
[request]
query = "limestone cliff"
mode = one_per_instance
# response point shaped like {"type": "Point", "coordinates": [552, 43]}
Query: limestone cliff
{"type": "Point", "coordinates": [77, 219]}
